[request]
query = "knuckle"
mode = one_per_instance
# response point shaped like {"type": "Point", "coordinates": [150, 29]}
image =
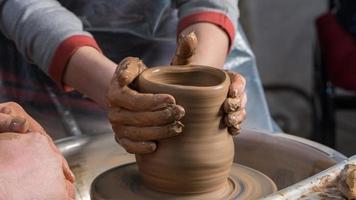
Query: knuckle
{"type": "Point", "coordinates": [116, 116]}
{"type": "Point", "coordinates": [232, 118]}
{"type": "Point", "coordinates": [243, 80]}
{"type": "Point", "coordinates": [121, 131]}
{"type": "Point", "coordinates": [5, 110]}
{"type": "Point", "coordinates": [12, 104]}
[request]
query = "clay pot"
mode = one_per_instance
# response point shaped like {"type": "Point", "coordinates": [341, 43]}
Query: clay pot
{"type": "Point", "coordinates": [199, 159]}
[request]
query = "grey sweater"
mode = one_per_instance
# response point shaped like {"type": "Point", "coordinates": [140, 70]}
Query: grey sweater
{"type": "Point", "coordinates": [47, 34]}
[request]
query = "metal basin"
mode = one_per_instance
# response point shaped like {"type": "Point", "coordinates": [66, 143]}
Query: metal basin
{"type": "Point", "coordinates": [284, 158]}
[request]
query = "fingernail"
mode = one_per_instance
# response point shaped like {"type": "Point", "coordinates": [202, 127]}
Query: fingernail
{"type": "Point", "coordinates": [162, 101]}
{"type": "Point", "coordinates": [178, 112]}
{"type": "Point", "coordinates": [163, 106]}
{"type": "Point", "coordinates": [168, 100]}
{"type": "Point", "coordinates": [148, 147]}
{"type": "Point", "coordinates": [17, 124]}
{"type": "Point", "coordinates": [152, 147]}
{"type": "Point", "coordinates": [235, 93]}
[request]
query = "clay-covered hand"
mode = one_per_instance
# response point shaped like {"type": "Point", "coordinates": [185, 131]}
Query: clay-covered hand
{"type": "Point", "coordinates": [30, 164]}
{"type": "Point", "coordinates": [140, 119]}
{"type": "Point", "coordinates": [234, 105]}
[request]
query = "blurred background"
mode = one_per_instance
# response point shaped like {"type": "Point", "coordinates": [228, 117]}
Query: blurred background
{"type": "Point", "coordinates": [283, 37]}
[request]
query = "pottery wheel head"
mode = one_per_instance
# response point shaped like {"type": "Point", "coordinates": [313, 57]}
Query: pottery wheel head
{"type": "Point", "coordinates": [124, 182]}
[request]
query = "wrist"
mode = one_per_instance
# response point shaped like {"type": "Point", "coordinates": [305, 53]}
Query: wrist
{"type": "Point", "coordinates": [213, 44]}
{"type": "Point", "coordinates": [90, 72]}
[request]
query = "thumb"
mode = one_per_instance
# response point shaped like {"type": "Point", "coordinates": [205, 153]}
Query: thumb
{"type": "Point", "coordinates": [70, 190]}
{"type": "Point", "coordinates": [127, 71]}
{"type": "Point", "coordinates": [185, 49]}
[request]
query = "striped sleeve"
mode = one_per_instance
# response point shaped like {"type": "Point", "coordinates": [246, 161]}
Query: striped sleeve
{"type": "Point", "coordinates": [45, 32]}
{"type": "Point", "coordinates": [223, 13]}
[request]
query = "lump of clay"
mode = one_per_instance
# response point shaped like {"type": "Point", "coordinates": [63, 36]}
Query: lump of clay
{"type": "Point", "coordinates": [347, 181]}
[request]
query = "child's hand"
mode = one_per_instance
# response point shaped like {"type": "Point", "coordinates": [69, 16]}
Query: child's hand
{"type": "Point", "coordinates": [140, 119]}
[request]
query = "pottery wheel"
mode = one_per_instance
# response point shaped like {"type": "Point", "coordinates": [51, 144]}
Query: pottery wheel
{"type": "Point", "coordinates": [124, 182]}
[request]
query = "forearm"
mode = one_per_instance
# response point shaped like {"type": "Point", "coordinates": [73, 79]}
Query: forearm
{"type": "Point", "coordinates": [213, 44]}
{"type": "Point", "coordinates": [45, 32]}
{"type": "Point", "coordinates": [214, 23]}
{"type": "Point", "coordinates": [90, 72]}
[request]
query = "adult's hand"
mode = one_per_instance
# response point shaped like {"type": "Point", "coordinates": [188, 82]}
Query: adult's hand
{"type": "Point", "coordinates": [140, 119]}
{"type": "Point", "coordinates": [235, 103]}
{"type": "Point", "coordinates": [31, 166]}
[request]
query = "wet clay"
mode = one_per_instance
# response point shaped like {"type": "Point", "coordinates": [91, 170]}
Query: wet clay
{"type": "Point", "coordinates": [125, 182]}
{"type": "Point", "coordinates": [342, 187]}
{"type": "Point", "coordinates": [199, 159]}
{"type": "Point", "coordinates": [347, 181]}
{"type": "Point", "coordinates": [185, 49]}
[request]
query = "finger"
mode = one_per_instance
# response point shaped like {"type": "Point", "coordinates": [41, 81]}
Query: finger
{"type": "Point", "coordinates": [235, 118]}
{"type": "Point", "coordinates": [70, 190]}
{"type": "Point", "coordinates": [137, 147]}
{"type": "Point", "coordinates": [17, 111]}
{"type": "Point", "coordinates": [128, 69]}
{"type": "Point", "coordinates": [34, 126]}
{"type": "Point", "coordinates": [243, 101]}
{"type": "Point", "coordinates": [148, 133]}
{"type": "Point", "coordinates": [237, 86]}
{"type": "Point", "coordinates": [234, 130]}
{"type": "Point", "coordinates": [66, 170]}
{"type": "Point", "coordinates": [185, 49]}
{"type": "Point", "coordinates": [9, 123]}
{"type": "Point", "coordinates": [68, 174]}
{"type": "Point", "coordinates": [232, 104]}
{"type": "Point", "coordinates": [5, 110]}
{"type": "Point", "coordinates": [166, 116]}
{"type": "Point", "coordinates": [132, 100]}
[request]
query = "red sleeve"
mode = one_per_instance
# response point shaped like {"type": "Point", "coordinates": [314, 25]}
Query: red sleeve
{"type": "Point", "coordinates": [216, 18]}
{"type": "Point", "coordinates": [63, 54]}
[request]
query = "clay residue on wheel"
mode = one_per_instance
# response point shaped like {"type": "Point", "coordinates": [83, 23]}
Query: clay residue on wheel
{"type": "Point", "coordinates": [342, 187]}
{"type": "Point", "coordinates": [347, 181]}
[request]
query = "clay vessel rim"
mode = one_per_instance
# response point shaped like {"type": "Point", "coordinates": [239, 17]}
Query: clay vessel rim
{"type": "Point", "coordinates": [219, 73]}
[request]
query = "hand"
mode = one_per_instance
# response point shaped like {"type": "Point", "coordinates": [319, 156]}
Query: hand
{"type": "Point", "coordinates": [234, 105]}
{"type": "Point", "coordinates": [138, 119]}
{"type": "Point", "coordinates": [29, 154]}
{"type": "Point", "coordinates": [13, 118]}
{"type": "Point", "coordinates": [30, 169]}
